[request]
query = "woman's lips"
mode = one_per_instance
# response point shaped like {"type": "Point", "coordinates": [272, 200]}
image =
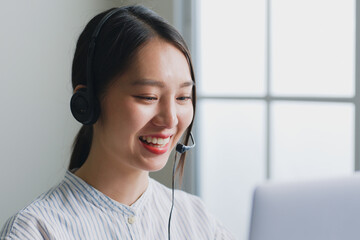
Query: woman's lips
{"type": "Point", "coordinates": [157, 150]}
{"type": "Point", "coordinates": [157, 144]}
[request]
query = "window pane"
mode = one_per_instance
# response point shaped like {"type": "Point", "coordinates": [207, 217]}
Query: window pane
{"type": "Point", "coordinates": [313, 47]}
{"type": "Point", "coordinates": [232, 158]}
{"type": "Point", "coordinates": [311, 140]}
{"type": "Point", "coordinates": [232, 47]}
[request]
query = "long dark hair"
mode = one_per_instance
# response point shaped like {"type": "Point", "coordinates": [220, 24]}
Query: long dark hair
{"type": "Point", "coordinates": [119, 39]}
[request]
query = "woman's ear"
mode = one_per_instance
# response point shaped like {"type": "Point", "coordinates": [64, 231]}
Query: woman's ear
{"type": "Point", "coordinates": [79, 87]}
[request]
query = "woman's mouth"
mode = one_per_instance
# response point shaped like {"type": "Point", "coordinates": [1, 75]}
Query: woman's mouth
{"type": "Point", "coordinates": [155, 145]}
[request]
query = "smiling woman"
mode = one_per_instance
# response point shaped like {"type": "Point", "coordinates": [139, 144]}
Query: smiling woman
{"type": "Point", "coordinates": [135, 94]}
{"type": "Point", "coordinates": [160, 109]}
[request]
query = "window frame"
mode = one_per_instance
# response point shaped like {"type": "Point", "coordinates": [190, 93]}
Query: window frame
{"type": "Point", "coordinates": [188, 24]}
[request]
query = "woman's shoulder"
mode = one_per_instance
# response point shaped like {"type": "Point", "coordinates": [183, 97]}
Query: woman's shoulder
{"type": "Point", "coordinates": [189, 208]}
{"type": "Point", "coordinates": [163, 191]}
{"type": "Point", "coordinates": [189, 204]}
{"type": "Point", "coordinates": [28, 222]}
{"type": "Point", "coordinates": [35, 217]}
{"type": "Point", "coordinates": [23, 225]}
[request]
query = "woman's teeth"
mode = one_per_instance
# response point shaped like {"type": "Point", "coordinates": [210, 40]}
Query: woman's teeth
{"type": "Point", "coordinates": [158, 141]}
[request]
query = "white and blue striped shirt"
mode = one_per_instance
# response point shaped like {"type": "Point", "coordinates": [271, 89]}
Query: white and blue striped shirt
{"type": "Point", "coordinates": [75, 210]}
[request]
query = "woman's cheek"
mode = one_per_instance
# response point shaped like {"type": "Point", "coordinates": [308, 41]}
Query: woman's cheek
{"type": "Point", "coordinates": [140, 114]}
{"type": "Point", "coordinates": [186, 115]}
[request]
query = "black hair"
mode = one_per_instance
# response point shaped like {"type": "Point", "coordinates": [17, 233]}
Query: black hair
{"type": "Point", "coordinates": [118, 41]}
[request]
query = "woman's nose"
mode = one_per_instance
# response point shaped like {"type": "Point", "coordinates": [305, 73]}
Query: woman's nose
{"type": "Point", "coordinates": [166, 116]}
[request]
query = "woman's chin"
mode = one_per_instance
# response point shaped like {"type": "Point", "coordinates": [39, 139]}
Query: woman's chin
{"type": "Point", "coordinates": [156, 165]}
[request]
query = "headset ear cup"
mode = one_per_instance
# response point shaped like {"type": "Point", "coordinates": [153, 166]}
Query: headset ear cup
{"type": "Point", "coordinates": [81, 108]}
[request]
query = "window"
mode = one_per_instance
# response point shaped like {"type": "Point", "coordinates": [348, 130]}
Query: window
{"type": "Point", "coordinates": [277, 97]}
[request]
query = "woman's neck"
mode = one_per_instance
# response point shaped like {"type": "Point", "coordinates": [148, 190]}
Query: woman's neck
{"type": "Point", "coordinates": [120, 183]}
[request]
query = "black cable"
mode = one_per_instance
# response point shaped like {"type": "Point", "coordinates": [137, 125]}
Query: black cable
{"type": "Point", "coordinates": [172, 196]}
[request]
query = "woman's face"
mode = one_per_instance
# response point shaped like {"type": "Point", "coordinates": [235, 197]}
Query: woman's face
{"type": "Point", "coordinates": [147, 109]}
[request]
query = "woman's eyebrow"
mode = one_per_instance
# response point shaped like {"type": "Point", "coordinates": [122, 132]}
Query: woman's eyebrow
{"type": "Point", "coordinates": [148, 82]}
{"type": "Point", "coordinates": [154, 83]}
{"type": "Point", "coordinates": [187, 84]}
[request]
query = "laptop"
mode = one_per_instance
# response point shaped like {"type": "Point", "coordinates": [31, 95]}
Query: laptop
{"type": "Point", "coordinates": [327, 209]}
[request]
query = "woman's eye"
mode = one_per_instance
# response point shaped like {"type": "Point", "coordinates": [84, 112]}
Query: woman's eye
{"type": "Point", "coordinates": [147, 98]}
{"type": "Point", "coordinates": [184, 98]}
{"type": "Point", "coordinates": [151, 99]}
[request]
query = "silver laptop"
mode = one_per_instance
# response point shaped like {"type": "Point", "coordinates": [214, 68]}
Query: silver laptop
{"type": "Point", "coordinates": [310, 210]}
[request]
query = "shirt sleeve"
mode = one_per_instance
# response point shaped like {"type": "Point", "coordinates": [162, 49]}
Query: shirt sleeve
{"type": "Point", "coordinates": [22, 226]}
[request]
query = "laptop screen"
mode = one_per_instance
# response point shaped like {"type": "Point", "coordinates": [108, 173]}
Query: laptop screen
{"type": "Point", "coordinates": [310, 210]}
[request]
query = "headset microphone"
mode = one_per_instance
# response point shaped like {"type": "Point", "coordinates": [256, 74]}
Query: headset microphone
{"type": "Point", "coordinates": [181, 148]}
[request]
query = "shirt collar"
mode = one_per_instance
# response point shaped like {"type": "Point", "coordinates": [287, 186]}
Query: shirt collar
{"type": "Point", "coordinates": [103, 201]}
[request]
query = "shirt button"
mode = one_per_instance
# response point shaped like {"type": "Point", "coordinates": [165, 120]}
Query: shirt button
{"type": "Point", "coordinates": [131, 219]}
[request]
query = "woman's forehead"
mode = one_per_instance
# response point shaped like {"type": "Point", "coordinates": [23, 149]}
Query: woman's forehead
{"type": "Point", "coordinates": [158, 62]}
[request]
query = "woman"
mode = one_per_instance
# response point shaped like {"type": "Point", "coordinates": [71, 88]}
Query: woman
{"type": "Point", "coordinates": [134, 91]}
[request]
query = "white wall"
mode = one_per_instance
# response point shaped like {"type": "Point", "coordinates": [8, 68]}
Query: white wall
{"type": "Point", "coordinates": [36, 127]}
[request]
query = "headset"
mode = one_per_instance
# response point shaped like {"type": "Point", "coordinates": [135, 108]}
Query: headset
{"type": "Point", "coordinates": [85, 107]}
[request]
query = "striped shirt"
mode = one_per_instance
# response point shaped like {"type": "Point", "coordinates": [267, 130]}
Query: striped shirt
{"type": "Point", "coordinates": [75, 210]}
